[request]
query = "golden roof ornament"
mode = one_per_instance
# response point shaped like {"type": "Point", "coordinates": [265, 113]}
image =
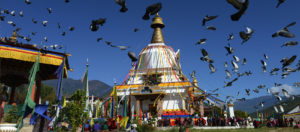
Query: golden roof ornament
{"type": "Point", "coordinates": [13, 38]}
{"type": "Point", "coordinates": [157, 25]}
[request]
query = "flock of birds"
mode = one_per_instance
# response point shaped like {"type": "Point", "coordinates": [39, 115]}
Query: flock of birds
{"type": "Point", "coordinates": [240, 5]}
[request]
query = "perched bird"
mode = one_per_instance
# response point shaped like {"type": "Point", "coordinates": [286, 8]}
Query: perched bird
{"type": "Point", "coordinates": [132, 56]}
{"type": "Point", "coordinates": [256, 90]}
{"type": "Point", "coordinates": [289, 61]}
{"type": "Point", "coordinates": [275, 108]}
{"type": "Point", "coordinates": [231, 37]}
{"type": "Point", "coordinates": [211, 28]}
{"type": "Point", "coordinates": [230, 83]}
{"type": "Point", "coordinates": [261, 86]}
{"type": "Point", "coordinates": [71, 28]}
{"type": "Point", "coordinates": [98, 39]}
{"type": "Point", "coordinates": [244, 61]}
{"type": "Point", "coordinates": [21, 14]}
{"type": "Point", "coordinates": [212, 68]}
{"type": "Point", "coordinates": [201, 41]}
{"type": "Point", "coordinates": [289, 43]}
{"type": "Point", "coordinates": [34, 21]}
{"type": "Point", "coordinates": [241, 5]}
{"type": "Point", "coordinates": [151, 10]}
{"type": "Point", "coordinates": [285, 32]}
{"type": "Point", "coordinates": [11, 23]}
{"type": "Point", "coordinates": [235, 66]}
{"type": "Point", "coordinates": [246, 35]}
{"type": "Point", "coordinates": [136, 29]}
{"type": "Point", "coordinates": [122, 3]}
{"type": "Point", "coordinates": [266, 56]}
{"type": "Point", "coordinates": [205, 56]}
{"type": "Point", "coordinates": [279, 3]}
{"type": "Point", "coordinates": [247, 91]}
{"type": "Point", "coordinates": [27, 2]}
{"type": "Point", "coordinates": [226, 64]}
{"type": "Point", "coordinates": [237, 59]}
{"type": "Point", "coordinates": [44, 23]}
{"type": "Point", "coordinates": [228, 75]}
{"type": "Point", "coordinates": [208, 18]}
{"type": "Point", "coordinates": [229, 49]}
{"type": "Point", "coordinates": [49, 10]}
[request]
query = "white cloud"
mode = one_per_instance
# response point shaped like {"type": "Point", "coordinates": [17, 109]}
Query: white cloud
{"type": "Point", "coordinates": [291, 90]}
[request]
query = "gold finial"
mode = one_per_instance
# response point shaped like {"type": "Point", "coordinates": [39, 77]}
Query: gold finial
{"type": "Point", "coordinates": [157, 25]}
{"type": "Point", "coordinates": [195, 82]}
{"type": "Point", "coordinates": [13, 38]}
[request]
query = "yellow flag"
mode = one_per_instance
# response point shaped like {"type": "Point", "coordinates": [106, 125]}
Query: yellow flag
{"type": "Point", "coordinates": [64, 103]}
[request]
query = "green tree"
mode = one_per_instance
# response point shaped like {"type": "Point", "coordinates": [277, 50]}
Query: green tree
{"type": "Point", "coordinates": [74, 113]}
{"type": "Point", "coordinates": [12, 115]}
{"type": "Point", "coordinates": [239, 113]}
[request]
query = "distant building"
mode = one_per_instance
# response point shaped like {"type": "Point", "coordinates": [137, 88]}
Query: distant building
{"type": "Point", "coordinates": [294, 113]}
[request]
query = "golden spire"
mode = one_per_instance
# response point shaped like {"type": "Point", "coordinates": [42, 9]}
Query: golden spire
{"type": "Point", "coordinates": [157, 25]}
{"type": "Point", "coordinates": [13, 38]}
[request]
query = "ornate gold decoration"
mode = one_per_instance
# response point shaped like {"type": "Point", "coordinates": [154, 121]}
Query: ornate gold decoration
{"type": "Point", "coordinates": [157, 25]}
{"type": "Point", "coordinates": [13, 38]}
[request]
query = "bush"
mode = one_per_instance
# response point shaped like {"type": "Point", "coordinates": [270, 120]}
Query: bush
{"type": "Point", "coordinates": [12, 115]}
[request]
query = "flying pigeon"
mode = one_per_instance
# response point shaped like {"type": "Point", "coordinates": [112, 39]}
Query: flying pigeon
{"type": "Point", "coordinates": [261, 86]}
{"type": "Point", "coordinates": [151, 10]}
{"type": "Point", "coordinates": [261, 104]}
{"type": "Point", "coordinates": [208, 18]}
{"type": "Point", "coordinates": [266, 56]}
{"type": "Point", "coordinates": [247, 91]}
{"type": "Point", "coordinates": [108, 43]}
{"type": "Point", "coordinates": [277, 84]}
{"type": "Point", "coordinates": [205, 56]}
{"type": "Point", "coordinates": [248, 73]}
{"type": "Point", "coordinates": [28, 39]}
{"type": "Point", "coordinates": [11, 23]}
{"type": "Point", "coordinates": [122, 3]}
{"type": "Point", "coordinates": [33, 33]}
{"type": "Point", "coordinates": [231, 37]}
{"type": "Point", "coordinates": [229, 49]}
{"type": "Point", "coordinates": [289, 61]}
{"type": "Point", "coordinates": [238, 93]}
{"type": "Point", "coordinates": [289, 43]}
{"type": "Point", "coordinates": [211, 28]}
{"type": "Point", "coordinates": [27, 2]}
{"type": "Point", "coordinates": [275, 108]}
{"type": "Point", "coordinates": [228, 75]}
{"type": "Point", "coordinates": [13, 13]}
{"type": "Point", "coordinates": [288, 69]}
{"type": "Point", "coordinates": [44, 23]}
{"type": "Point", "coordinates": [72, 28]}
{"type": "Point", "coordinates": [285, 93]}
{"type": "Point", "coordinates": [237, 59]}
{"type": "Point", "coordinates": [67, 1]}
{"type": "Point", "coordinates": [49, 10]}
{"type": "Point", "coordinates": [136, 29]}
{"type": "Point", "coordinates": [235, 66]}
{"type": "Point", "coordinates": [230, 83]}
{"type": "Point", "coordinates": [2, 18]}
{"type": "Point", "coordinates": [58, 25]}
{"type": "Point", "coordinates": [63, 33]}
{"type": "Point", "coordinates": [120, 47]}
{"type": "Point", "coordinates": [212, 68]}
{"type": "Point", "coordinates": [241, 99]}
{"type": "Point", "coordinates": [45, 38]}
{"type": "Point", "coordinates": [281, 108]}
{"type": "Point", "coordinates": [279, 3]}
{"type": "Point", "coordinates": [256, 90]}
{"type": "Point", "coordinates": [285, 32]}
{"type": "Point", "coordinates": [201, 41]}
{"type": "Point", "coordinates": [278, 97]}
{"type": "Point", "coordinates": [240, 74]}
{"type": "Point", "coordinates": [263, 63]}
{"type": "Point", "coordinates": [241, 5]}
{"type": "Point", "coordinates": [94, 25]}
{"type": "Point", "coordinates": [268, 90]}
{"type": "Point", "coordinates": [246, 35]}
{"type": "Point", "coordinates": [132, 56]}
{"type": "Point", "coordinates": [98, 39]}
{"type": "Point", "coordinates": [244, 61]}
{"type": "Point", "coordinates": [274, 71]}
{"type": "Point", "coordinates": [226, 64]}
{"type": "Point", "coordinates": [297, 84]}
{"type": "Point", "coordinates": [21, 13]}
{"type": "Point", "coordinates": [214, 90]}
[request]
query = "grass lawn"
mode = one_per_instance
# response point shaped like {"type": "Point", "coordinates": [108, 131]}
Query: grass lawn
{"type": "Point", "coordinates": [240, 130]}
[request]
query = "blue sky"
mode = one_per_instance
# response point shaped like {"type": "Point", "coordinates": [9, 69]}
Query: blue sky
{"type": "Point", "coordinates": [183, 29]}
